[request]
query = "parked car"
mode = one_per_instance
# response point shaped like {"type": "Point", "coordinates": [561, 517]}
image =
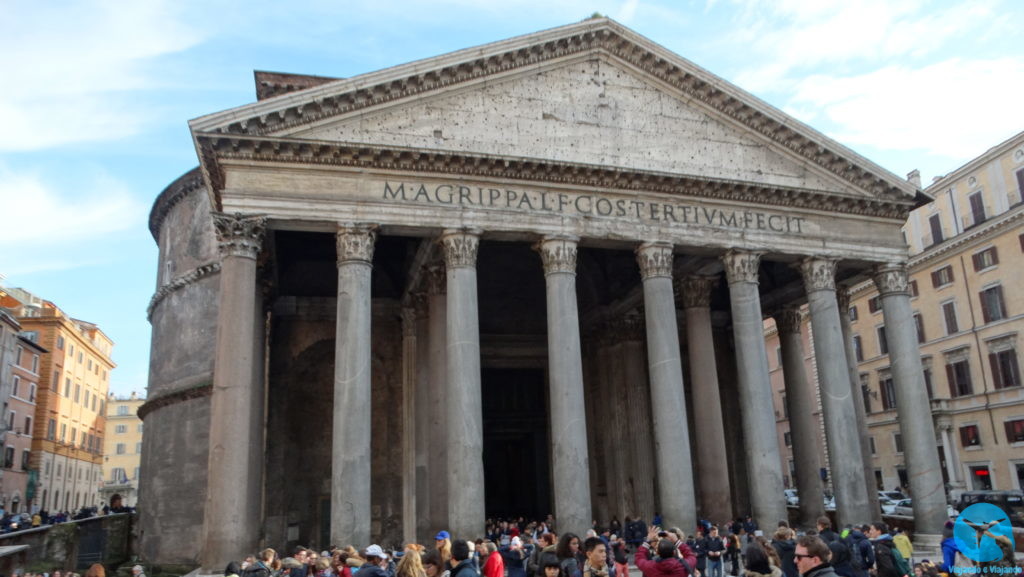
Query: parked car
{"type": "Point", "coordinates": [905, 507]}
{"type": "Point", "coordinates": [888, 505]}
{"type": "Point", "coordinates": [1010, 501]}
{"type": "Point", "coordinates": [891, 495]}
{"type": "Point", "coordinates": [791, 497]}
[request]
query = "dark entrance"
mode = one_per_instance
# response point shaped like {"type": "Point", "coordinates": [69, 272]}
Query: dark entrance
{"type": "Point", "coordinates": [516, 477]}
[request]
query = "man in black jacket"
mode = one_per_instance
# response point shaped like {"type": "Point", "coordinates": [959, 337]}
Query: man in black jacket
{"type": "Point", "coordinates": [462, 564]}
{"type": "Point", "coordinates": [811, 557]}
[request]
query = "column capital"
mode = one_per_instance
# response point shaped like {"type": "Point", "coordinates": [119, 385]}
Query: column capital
{"type": "Point", "coordinates": [409, 315]}
{"type": "Point", "coordinates": [891, 279]}
{"type": "Point", "coordinates": [239, 234]}
{"type": "Point", "coordinates": [695, 291]}
{"type": "Point", "coordinates": [741, 266]}
{"type": "Point", "coordinates": [843, 299]}
{"type": "Point", "coordinates": [655, 259]}
{"type": "Point", "coordinates": [789, 320]}
{"type": "Point", "coordinates": [819, 273]}
{"type": "Point", "coordinates": [460, 247]}
{"type": "Point", "coordinates": [437, 282]}
{"type": "Point", "coordinates": [558, 254]}
{"type": "Point", "coordinates": [355, 243]}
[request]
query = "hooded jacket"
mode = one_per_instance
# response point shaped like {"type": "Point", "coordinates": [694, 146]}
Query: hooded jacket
{"type": "Point", "coordinates": [671, 567]}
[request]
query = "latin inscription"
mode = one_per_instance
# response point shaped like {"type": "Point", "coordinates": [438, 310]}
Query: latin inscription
{"type": "Point", "coordinates": [591, 205]}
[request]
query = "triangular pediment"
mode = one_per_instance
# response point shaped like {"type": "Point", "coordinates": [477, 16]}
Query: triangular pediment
{"type": "Point", "coordinates": [593, 93]}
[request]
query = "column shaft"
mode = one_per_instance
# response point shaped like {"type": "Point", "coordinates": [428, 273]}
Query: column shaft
{"type": "Point", "coordinates": [232, 517]}
{"type": "Point", "coordinates": [437, 407]}
{"type": "Point", "coordinates": [867, 461]}
{"type": "Point", "coordinates": [762, 445]}
{"type": "Point", "coordinates": [465, 407]}
{"type": "Point", "coordinates": [803, 429]}
{"type": "Point", "coordinates": [570, 461]}
{"type": "Point", "coordinates": [713, 466]}
{"type": "Point", "coordinates": [913, 407]}
{"type": "Point", "coordinates": [668, 402]}
{"type": "Point", "coordinates": [837, 401]}
{"type": "Point", "coordinates": [641, 472]}
{"type": "Point", "coordinates": [409, 424]}
{"type": "Point", "coordinates": [422, 394]}
{"type": "Point", "coordinates": [351, 477]}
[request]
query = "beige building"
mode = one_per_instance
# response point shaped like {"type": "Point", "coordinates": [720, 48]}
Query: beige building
{"type": "Point", "coordinates": [70, 419]}
{"type": "Point", "coordinates": [966, 271]}
{"type": "Point", "coordinates": [122, 450]}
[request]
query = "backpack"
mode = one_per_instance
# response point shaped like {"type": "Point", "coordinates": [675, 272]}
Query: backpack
{"type": "Point", "coordinates": [858, 560]}
{"type": "Point", "coordinates": [900, 563]}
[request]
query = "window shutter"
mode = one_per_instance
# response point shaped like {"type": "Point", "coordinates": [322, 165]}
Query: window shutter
{"type": "Point", "coordinates": [1000, 302]}
{"type": "Point", "coordinates": [976, 259]}
{"type": "Point", "coordinates": [935, 279]}
{"type": "Point", "coordinates": [997, 375]}
{"type": "Point", "coordinates": [951, 378]}
{"type": "Point", "coordinates": [986, 315]}
{"type": "Point", "coordinates": [995, 255]}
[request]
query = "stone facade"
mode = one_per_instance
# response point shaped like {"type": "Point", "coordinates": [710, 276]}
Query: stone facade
{"type": "Point", "coordinates": [374, 279]}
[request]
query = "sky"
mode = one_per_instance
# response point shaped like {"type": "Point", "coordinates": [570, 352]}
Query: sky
{"type": "Point", "coordinates": [96, 96]}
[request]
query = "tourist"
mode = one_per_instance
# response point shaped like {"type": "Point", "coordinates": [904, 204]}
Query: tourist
{"type": "Point", "coordinates": [949, 549]}
{"type": "Point", "coordinates": [812, 555]}
{"type": "Point", "coordinates": [494, 565]}
{"type": "Point", "coordinates": [443, 544]}
{"type": "Point", "coordinates": [668, 563]}
{"type": "Point", "coordinates": [596, 561]}
{"type": "Point", "coordinates": [699, 545]}
{"type": "Point", "coordinates": [715, 548]}
{"type": "Point", "coordinates": [881, 541]}
{"type": "Point", "coordinates": [619, 556]}
{"type": "Point", "coordinates": [462, 563]}
{"type": "Point", "coordinates": [411, 564]}
{"type": "Point", "coordinates": [545, 551]}
{"type": "Point", "coordinates": [233, 569]}
{"type": "Point", "coordinates": [757, 562]}
{"type": "Point", "coordinates": [516, 555]}
{"type": "Point", "coordinates": [902, 543]}
{"type": "Point", "coordinates": [615, 527]}
{"type": "Point", "coordinates": [432, 566]}
{"type": "Point", "coordinates": [785, 546]}
{"type": "Point", "coordinates": [567, 549]}
{"type": "Point", "coordinates": [732, 553]}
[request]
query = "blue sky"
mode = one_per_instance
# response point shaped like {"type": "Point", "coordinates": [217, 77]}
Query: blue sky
{"type": "Point", "coordinates": [96, 97]}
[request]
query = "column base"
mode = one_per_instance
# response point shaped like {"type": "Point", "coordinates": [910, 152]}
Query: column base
{"type": "Point", "coordinates": [927, 546]}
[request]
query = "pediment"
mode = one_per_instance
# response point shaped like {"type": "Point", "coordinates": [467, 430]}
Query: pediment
{"type": "Point", "coordinates": [593, 93]}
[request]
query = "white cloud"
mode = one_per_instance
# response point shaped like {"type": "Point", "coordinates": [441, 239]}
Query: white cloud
{"type": "Point", "coordinates": [956, 108]}
{"type": "Point", "coordinates": [46, 230]}
{"type": "Point", "coordinates": [71, 68]}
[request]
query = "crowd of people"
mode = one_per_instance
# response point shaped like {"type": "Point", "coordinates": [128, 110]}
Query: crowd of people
{"type": "Point", "coordinates": [517, 548]}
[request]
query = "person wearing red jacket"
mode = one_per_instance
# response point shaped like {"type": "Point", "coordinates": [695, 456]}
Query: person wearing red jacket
{"type": "Point", "coordinates": [494, 566]}
{"type": "Point", "coordinates": [671, 561]}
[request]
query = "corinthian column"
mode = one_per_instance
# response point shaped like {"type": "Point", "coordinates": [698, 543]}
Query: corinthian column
{"type": "Point", "coordinates": [232, 519]}
{"type": "Point", "coordinates": [713, 467]}
{"type": "Point", "coordinates": [465, 407]}
{"type": "Point", "coordinates": [912, 406]}
{"type": "Point", "coordinates": [802, 427]}
{"type": "Point", "coordinates": [837, 401]}
{"type": "Point", "coordinates": [350, 451]}
{"type": "Point", "coordinates": [762, 444]}
{"type": "Point", "coordinates": [437, 453]}
{"type": "Point", "coordinates": [668, 403]}
{"type": "Point", "coordinates": [867, 464]}
{"type": "Point", "coordinates": [568, 422]}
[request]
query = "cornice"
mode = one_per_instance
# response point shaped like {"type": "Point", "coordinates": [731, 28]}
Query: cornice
{"type": "Point", "coordinates": [976, 163]}
{"type": "Point", "coordinates": [180, 396]}
{"type": "Point", "coordinates": [185, 185]}
{"type": "Point", "coordinates": [216, 148]}
{"type": "Point", "coordinates": [956, 243]}
{"type": "Point", "coordinates": [600, 36]}
{"type": "Point", "coordinates": [181, 282]}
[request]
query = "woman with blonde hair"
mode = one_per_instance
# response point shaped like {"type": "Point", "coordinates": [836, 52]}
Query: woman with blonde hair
{"type": "Point", "coordinates": [443, 543]}
{"type": "Point", "coordinates": [411, 564]}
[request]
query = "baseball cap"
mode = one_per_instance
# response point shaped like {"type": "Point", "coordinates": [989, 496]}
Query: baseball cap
{"type": "Point", "coordinates": [375, 551]}
{"type": "Point", "coordinates": [442, 535]}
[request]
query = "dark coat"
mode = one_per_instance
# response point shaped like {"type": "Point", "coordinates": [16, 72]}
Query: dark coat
{"type": "Point", "coordinates": [786, 550]}
{"type": "Point", "coordinates": [823, 570]}
{"type": "Point", "coordinates": [671, 567]}
{"type": "Point", "coordinates": [465, 568]}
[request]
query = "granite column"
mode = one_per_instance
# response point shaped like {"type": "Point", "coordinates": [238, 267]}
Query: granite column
{"type": "Point", "coordinates": [800, 407]}
{"type": "Point", "coordinates": [463, 397]}
{"type": "Point", "coordinates": [713, 467]}
{"type": "Point", "coordinates": [913, 407]}
{"type": "Point", "coordinates": [437, 407]}
{"type": "Point", "coordinates": [762, 444]}
{"type": "Point", "coordinates": [232, 513]}
{"type": "Point", "coordinates": [668, 402]}
{"type": "Point", "coordinates": [350, 478]}
{"type": "Point", "coordinates": [570, 461]}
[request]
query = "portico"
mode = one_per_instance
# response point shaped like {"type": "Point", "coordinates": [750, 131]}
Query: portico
{"type": "Point", "coordinates": [578, 202]}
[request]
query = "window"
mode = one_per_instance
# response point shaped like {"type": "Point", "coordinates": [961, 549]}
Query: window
{"type": "Point", "coordinates": [943, 276]}
{"type": "Point", "coordinates": [136, 473]}
{"type": "Point", "coordinates": [787, 439]}
{"type": "Point", "coordinates": [926, 374]}
{"type": "Point", "coordinates": [871, 443]}
{"type": "Point", "coordinates": [10, 420]}
{"type": "Point", "coordinates": [977, 208]}
{"type": "Point", "coordinates": [139, 428]}
{"type": "Point", "coordinates": [121, 429]}
{"type": "Point", "coordinates": [78, 393]}
{"type": "Point", "coordinates": [80, 357]}
{"type": "Point", "coordinates": [122, 410]}
{"type": "Point", "coordinates": [17, 383]}
{"type": "Point", "coordinates": [897, 441]}
{"type": "Point", "coordinates": [51, 429]}
{"type": "Point", "coordinates": [86, 403]}
{"type": "Point", "coordinates": [883, 344]}
{"type": "Point", "coordinates": [778, 356]}
{"type": "Point", "coordinates": [26, 458]}
{"type": "Point", "coordinates": [67, 387]}
{"type": "Point", "coordinates": [935, 223]}
{"type": "Point", "coordinates": [913, 289]}
{"type": "Point", "coordinates": [28, 425]}
{"type": "Point", "coordinates": [949, 315]}
{"type": "Point", "coordinates": [63, 432]}
{"type": "Point", "coordinates": [985, 259]}
{"type": "Point", "coordinates": [35, 364]}
{"type": "Point", "coordinates": [885, 385]}
{"type": "Point", "coordinates": [959, 375]}
{"type": "Point", "coordinates": [55, 382]}
{"type": "Point", "coordinates": [31, 393]}
{"type": "Point", "coordinates": [74, 435]}
{"type": "Point", "coordinates": [874, 304]}
{"type": "Point", "coordinates": [992, 306]}
{"type": "Point", "coordinates": [1014, 431]}
{"type": "Point", "coordinates": [1005, 371]}
{"type": "Point", "coordinates": [8, 457]}
{"type": "Point", "coordinates": [919, 325]}
{"type": "Point", "coordinates": [785, 406]}
{"type": "Point", "coordinates": [94, 402]}
{"type": "Point", "coordinates": [866, 393]}
{"type": "Point", "coordinates": [853, 313]}
{"type": "Point", "coordinates": [88, 365]}
{"type": "Point", "coordinates": [138, 448]}
{"type": "Point", "coordinates": [969, 436]}
{"type": "Point", "coordinates": [60, 343]}
{"type": "Point", "coordinates": [120, 449]}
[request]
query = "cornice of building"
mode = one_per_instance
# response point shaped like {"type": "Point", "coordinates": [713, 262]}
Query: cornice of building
{"type": "Point", "coordinates": [180, 282]}
{"type": "Point", "coordinates": [988, 156]}
{"type": "Point", "coordinates": [977, 234]}
{"type": "Point", "coordinates": [184, 185]}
